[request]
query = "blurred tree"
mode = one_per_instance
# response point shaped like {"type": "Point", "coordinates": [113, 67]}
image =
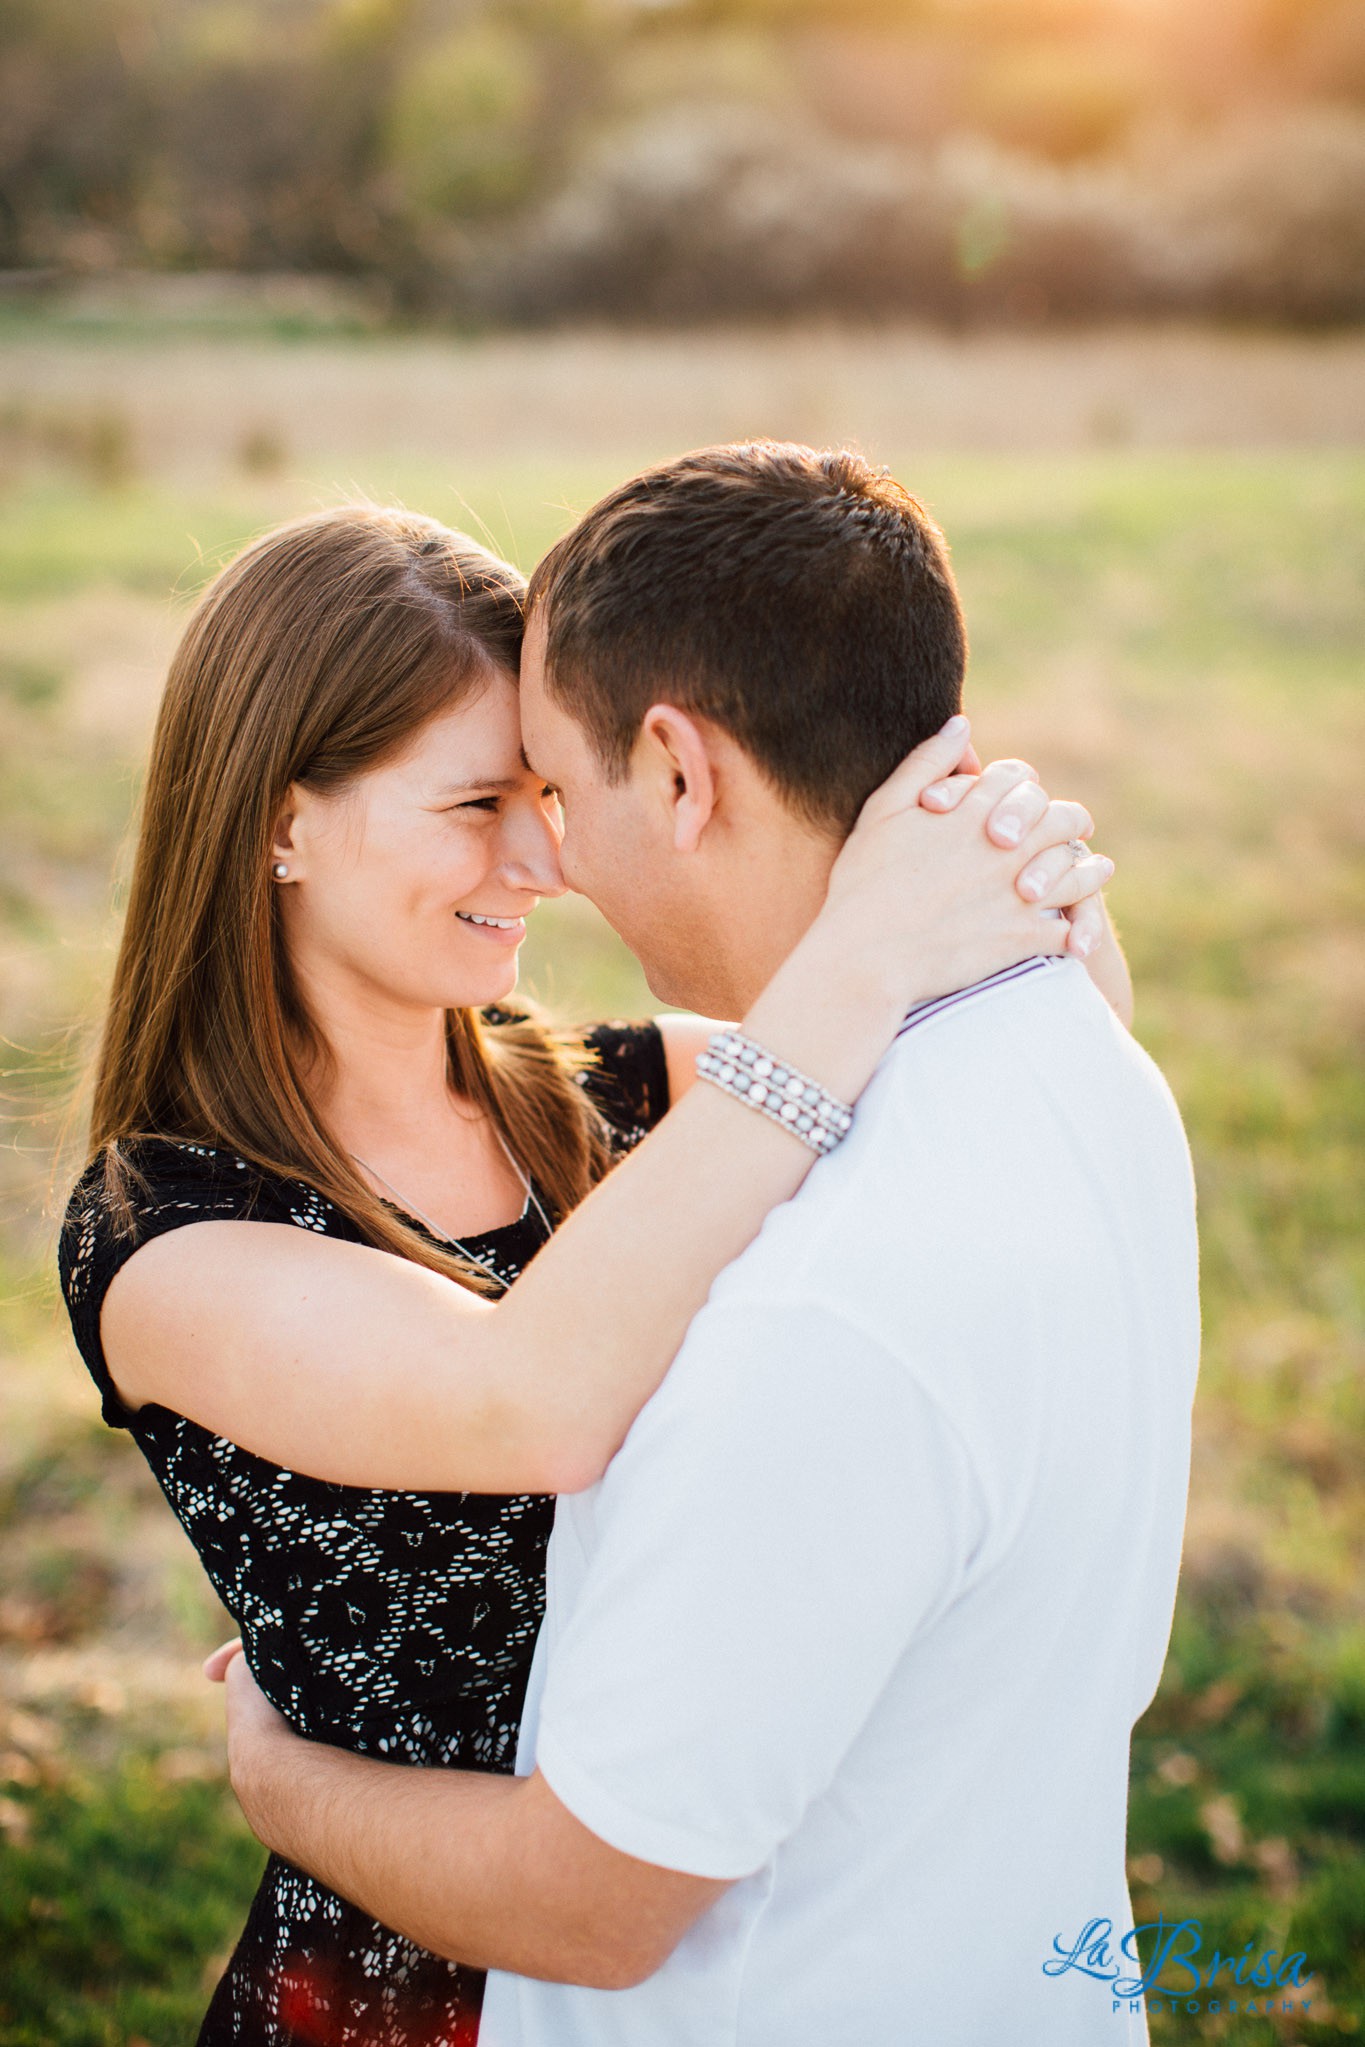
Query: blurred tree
{"type": "Point", "coordinates": [424, 142]}
{"type": "Point", "coordinates": [72, 125]}
{"type": "Point", "coordinates": [461, 131]}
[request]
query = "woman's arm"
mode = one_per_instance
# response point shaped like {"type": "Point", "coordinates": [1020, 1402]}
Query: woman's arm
{"type": "Point", "coordinates": [365, 1369]}
{"type": "Point", "coordinates": [1093, 937]}
{"type": "Point", "coordinates": [684, 1037]}
{"type": "Point", "coordinates": [1107, 967]}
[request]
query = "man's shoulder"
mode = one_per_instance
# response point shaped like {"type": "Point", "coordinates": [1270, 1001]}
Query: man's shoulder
{"type": "Point", "coordinates": [1029, 1038]}
{"type": "Point", "coordinates": [1028, 1051]}
{"type": "Point", "coordinates": [982, 998]}
{"type": "Point", "coordinates": [978, 1025]}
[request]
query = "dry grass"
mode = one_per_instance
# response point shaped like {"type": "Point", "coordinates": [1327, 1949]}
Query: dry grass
{"type": "Point", "coordinates": [199, 407]}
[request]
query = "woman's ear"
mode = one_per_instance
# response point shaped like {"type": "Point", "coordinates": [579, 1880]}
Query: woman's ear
{"type": "Point", "coordinates": [286, 844]}
{"type": "Point", "coordinates": [677, 757]}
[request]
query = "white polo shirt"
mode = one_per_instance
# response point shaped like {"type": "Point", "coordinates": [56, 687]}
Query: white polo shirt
{"type": "Point", "coordinates": [864, 1610]}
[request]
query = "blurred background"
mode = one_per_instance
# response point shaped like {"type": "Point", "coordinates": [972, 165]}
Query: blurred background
{"type": "Point", "coordinates": [968, 159]}
{"type": "Point", "coordinates": [1089, 275]}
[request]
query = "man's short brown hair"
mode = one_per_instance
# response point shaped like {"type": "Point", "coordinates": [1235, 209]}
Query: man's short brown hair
{"type": "Point", "coordinates": [801, 600]}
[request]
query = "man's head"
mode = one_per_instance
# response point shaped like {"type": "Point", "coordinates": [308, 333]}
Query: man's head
{"type": "Point", "coordinates": [724, 658]}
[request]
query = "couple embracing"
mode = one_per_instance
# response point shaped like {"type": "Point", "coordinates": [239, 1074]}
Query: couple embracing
{"type": "Point", "coordinates": [702, 1501]}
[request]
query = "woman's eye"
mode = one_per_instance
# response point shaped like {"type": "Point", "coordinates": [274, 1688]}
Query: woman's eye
{"type": "Point", "coordinates": [494, 802]}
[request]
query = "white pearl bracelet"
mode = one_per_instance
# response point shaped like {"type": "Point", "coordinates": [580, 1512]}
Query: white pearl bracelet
{"type": "Point", "coordinates": [743, 1069]}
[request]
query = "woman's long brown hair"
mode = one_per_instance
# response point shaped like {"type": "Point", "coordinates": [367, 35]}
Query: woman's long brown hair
{"type": "Point", "coordinates": [316, 654]}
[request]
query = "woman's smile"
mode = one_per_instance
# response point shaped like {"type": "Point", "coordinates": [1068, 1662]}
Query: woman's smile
{"type": "Point", "coordinates": [503, 930]}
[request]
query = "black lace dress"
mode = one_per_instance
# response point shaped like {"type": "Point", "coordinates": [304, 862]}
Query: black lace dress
{"type": "Point", "coordinates": [394, 1624]}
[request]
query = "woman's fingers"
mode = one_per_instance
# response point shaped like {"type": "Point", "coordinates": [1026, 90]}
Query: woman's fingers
{"type": "Point", "coordinates": [1056, 879]}
{"type": "Point", "coordinates": [215, 1666]}
{"type": "Point", "coordinates": [1087, 878]}
{"type": "Point", "coordinates": [936, 757]}
{"type": "Point", "coordinates": [1000, 781]}
{"type": "Point", "coordinates": [1049, 933]}
{"type": "Point", "coordinates": [940, 895]}
{"type": "Point", "coordinates": [1017, 810]}
{"type": "Point", "coordinates": [946, 795]}
{"type": "Point", "coordinates": [1015, 816]}
{"type": "Point", "coordinates": [1087, 926]}
{"type": "Point", "coordinates": [1060, 823]}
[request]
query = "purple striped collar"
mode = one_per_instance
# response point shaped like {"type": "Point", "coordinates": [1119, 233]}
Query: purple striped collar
{"type": "Point", "coordinates": [922, 1011]}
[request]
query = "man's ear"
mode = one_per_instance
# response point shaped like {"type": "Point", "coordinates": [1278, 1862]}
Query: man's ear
{"type": "Point", "coordinates": [672, 752]}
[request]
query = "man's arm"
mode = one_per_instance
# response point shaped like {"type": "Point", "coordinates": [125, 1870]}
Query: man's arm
{"type": "Point", "coordinates": [491, 1871]}
{"type": "Point", "coordinates": [781, 1518]}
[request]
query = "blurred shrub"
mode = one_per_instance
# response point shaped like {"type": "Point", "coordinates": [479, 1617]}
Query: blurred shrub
{"type": "Point", "coordinates": [1267, 220]}
{"type": "Point", "coordinates": [96, 441]}
{"type": "Point", "coordinates": [262, 450]}
{"type": "Point", "coordinates": [71, 129]}
{"type": "Point", "coordinates": [712, 210]}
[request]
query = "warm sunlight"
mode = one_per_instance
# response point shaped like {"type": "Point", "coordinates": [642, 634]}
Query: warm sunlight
{"type": "Point", "coordinates": [762, 1438]}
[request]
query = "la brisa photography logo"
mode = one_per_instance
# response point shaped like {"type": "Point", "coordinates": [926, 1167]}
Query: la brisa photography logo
{"type": "Point", "coordinates": [1178, 1976]}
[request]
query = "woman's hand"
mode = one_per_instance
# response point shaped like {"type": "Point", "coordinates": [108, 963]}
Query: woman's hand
{"type": "Point", "coordinates": [958, 887]}
{"type": "Point", "coordinates": [1057, 868]}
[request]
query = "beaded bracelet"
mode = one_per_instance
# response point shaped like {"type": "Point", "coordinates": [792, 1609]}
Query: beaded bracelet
{"type": "Point", "coordinates": [743, 1069]}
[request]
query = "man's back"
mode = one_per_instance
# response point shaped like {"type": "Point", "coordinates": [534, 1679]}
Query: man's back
{"type": "Point", "coordinates": [864, 1611]}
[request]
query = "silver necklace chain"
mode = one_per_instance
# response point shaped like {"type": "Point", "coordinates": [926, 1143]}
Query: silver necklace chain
{"type": "Point", "coordinates": [443, 1236]}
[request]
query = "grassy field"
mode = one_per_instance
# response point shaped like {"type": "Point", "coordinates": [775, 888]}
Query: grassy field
{"type": "Point", "coordinates": [1173, 633]}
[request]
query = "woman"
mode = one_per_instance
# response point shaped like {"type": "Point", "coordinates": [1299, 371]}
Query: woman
{"type": "Point", "coordinates": [321, 1152]}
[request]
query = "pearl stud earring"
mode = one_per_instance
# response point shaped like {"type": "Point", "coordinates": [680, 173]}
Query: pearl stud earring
{"type": "Point", "coordinates": [280, 871]}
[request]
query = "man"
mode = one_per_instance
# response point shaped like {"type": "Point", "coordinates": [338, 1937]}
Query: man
{"type": "Point", "coordinates": [828, 1731]}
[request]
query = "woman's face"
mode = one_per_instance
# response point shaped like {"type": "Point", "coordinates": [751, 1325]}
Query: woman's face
{"type": "Point", "coordinates": [389, 877]}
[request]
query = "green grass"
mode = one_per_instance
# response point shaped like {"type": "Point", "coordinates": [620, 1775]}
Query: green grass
{"type": "Point", "coordinates": [1176, 637]}
{"type": "Point", "coordinates": [130, 1882]}
{"type": "Point", "coordinates": [1248, 1802]}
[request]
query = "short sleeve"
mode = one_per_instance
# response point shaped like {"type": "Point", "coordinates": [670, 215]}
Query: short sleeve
{"type": "Point", "coordinates": [169, 1186]}
{"type": "Point", "coordinates": [787, 1513]}
{"type": "Point", "coordinates": [628, 1076]}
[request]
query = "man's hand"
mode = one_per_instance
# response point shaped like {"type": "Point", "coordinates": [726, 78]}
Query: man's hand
{"type": "Point", "coordinates": [481, 1868]}
{"type": "Point", "coordinates": [258, 1738]}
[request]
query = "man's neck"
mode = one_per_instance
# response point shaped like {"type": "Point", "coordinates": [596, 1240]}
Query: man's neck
{"type": "Point", "coordinates": [779, 888]}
